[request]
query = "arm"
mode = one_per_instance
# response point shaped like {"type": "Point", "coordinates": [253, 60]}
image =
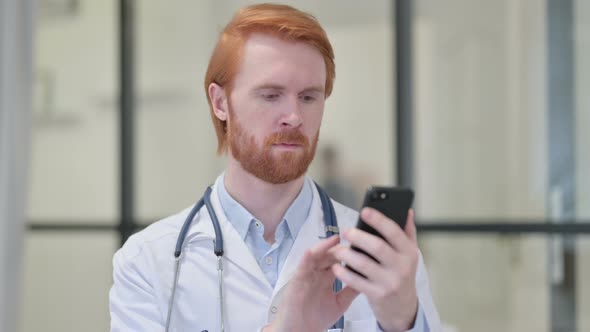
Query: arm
{"type": "Point", "coordinates": [132, 303]}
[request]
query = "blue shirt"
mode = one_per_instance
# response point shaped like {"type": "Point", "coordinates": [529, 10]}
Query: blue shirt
{"type": "Point", "coordinates": [270, 257]}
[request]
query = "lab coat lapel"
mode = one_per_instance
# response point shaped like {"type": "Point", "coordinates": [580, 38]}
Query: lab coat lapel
{"type": "Point", "coordinates": [235, 249]}
{"type": "Point", "coordinates": [309, 235]}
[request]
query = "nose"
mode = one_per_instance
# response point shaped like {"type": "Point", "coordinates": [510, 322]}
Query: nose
{"type": "Point", "coordinates": [292, 117]}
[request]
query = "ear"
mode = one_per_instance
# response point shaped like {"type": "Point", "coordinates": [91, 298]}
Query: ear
{"type": "Point", "coordinates": [218, 101]}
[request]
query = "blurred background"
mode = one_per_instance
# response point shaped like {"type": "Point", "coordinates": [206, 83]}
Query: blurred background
{"type": "Point", "coordinates": [482, 106]}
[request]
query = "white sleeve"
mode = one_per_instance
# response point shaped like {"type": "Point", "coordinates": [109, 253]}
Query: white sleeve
{"type": "Point", "coordinates": [133, 306]}
{"type": "Point", "coordinates": [425, 298]}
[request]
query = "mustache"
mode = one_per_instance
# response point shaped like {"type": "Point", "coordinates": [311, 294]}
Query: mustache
{"type": "Point", "coordinates": [292, 136]}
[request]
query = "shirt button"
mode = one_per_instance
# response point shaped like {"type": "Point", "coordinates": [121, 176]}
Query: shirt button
{"type": "Point", "coordinates": [268, 260]}
{"type": "Point", "coordinates": [257, 223]}
{"type": "Point", "coordinates": [274, 309]}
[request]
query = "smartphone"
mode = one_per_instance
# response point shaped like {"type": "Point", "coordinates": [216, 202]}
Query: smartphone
{"type": "Point", "coordinates": [393, 202]}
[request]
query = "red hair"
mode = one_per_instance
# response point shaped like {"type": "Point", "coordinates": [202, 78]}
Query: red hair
{"type": "Point", "coordinates": [282, 21]}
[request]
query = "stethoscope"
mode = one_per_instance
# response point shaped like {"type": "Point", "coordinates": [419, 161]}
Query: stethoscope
{"type": "Point", "coordinates": [331, 228]}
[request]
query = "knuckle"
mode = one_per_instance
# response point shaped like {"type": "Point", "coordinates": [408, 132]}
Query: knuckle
{"type": "Point", "coordinates": [363, 263]}
{"type": "Point", "coordinates": [415, 252]}
{"type": "Point", "coordinates": [352, 233]}
{"type": "Point", "coordinates": [406, 272]}
{"type": "Point", "coordinates": [338, 252]}
{"type": "Point", "coordinates": [382, 246]}
{"type": "Point", "coordinates": [394, 287]}
{"type": "Point", "coordinates": [392, 234]}
{"type": "Point", "coordinates": [383, 296]}
{"type": "Point", "coordinates": [413, 255]}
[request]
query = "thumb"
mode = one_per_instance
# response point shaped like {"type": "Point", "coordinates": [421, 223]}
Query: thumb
{"type": "Point", "coordinates": [411, 226]}
{"type": "Point", "coordinates": [345, 297]}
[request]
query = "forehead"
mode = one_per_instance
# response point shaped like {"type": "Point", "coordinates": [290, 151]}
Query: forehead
{"type": "Point", "coordinates": [267, 59]}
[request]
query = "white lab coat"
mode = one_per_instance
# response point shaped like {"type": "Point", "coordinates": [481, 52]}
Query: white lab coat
{"type": "Point", "coordinates": [144, 270]}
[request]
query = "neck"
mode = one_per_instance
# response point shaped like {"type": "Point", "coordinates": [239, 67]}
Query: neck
{"type": "Point", "coordinates": [268, 202]}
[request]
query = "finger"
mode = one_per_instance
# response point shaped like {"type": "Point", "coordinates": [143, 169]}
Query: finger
{"type": "Point", "coordinates": [325, 262]}
{"type": "Point", "coordinates": [411, 227]}
{"type": "Point", "coordinates": [358, 261]}
{"type": "Point", "coordinates": [354, 280]}
{"type": "Point", "coordinates": [324, 245]}
{"type": "Point", "coordinates": [373, 245]}
{"type": "Point", "coordinates": [389, 229]}
{"type": "Point", "coordinates": [318, 257]}
{"type": "Point", "coordinates": [345, 297]}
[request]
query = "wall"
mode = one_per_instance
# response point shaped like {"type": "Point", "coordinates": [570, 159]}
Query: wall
{"type": "Point", "coordinates": [481, 154]}
{"type": "Point", "coordinates": [73, 167]}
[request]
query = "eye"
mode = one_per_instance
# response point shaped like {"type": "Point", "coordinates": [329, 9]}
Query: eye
{"type": "Point", "coordinates": [271, 96]}
{"type": "Point", "coordinates": [308, 98]}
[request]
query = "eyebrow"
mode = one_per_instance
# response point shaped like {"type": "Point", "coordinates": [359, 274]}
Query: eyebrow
{"type": "Point", "coordinates": [316, 88]}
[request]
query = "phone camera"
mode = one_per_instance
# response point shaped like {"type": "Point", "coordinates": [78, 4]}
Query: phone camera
{"type": "Point", "coordinates": [376, 196]}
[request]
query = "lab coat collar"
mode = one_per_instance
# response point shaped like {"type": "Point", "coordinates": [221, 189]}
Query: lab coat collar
{"type": "Point", "coordinates": [235, 249]}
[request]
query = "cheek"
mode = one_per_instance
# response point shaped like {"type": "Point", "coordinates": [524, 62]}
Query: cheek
{"type": "Point", "coordinates": [260, 130]}
{"type": "Point", "coordinates": [313, 119]}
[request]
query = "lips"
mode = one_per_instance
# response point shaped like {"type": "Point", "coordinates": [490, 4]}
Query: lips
{"type": "Point", "coordinates": [288, 146]}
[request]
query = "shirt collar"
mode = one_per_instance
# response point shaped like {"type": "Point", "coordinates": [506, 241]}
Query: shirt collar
{"type": "Point", "coordinates": [298, 212]}
{"type": "Point", "coordinates": [240, 218]}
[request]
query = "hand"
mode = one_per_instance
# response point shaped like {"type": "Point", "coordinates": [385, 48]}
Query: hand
{"type": "Point", "coordinates": [390, 286]}
{"type": "Point", "coordinates": [309, 302]}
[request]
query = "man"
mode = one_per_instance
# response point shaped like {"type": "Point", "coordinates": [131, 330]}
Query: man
{"type": "Point", "coordinates": [267, 81]}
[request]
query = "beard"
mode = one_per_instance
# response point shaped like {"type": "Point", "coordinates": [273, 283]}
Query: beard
{"type": "Point", "coordinates": [275, 167]}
